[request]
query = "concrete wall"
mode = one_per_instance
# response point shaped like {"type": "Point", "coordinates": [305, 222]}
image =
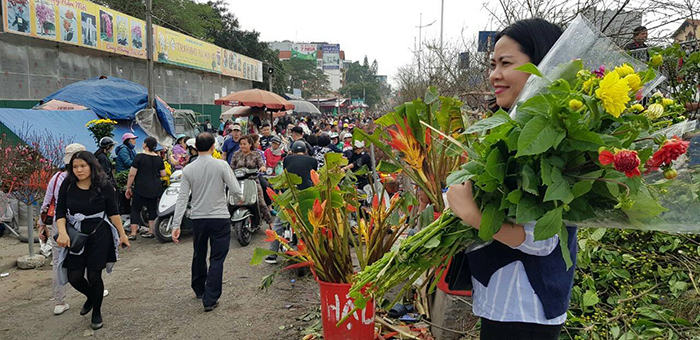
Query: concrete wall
{"type": "Point", "coordinates": [31, 69]}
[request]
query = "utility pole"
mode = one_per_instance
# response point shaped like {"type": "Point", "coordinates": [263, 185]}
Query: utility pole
{"type": "Point", "coordinates": [442, 21]}
{"type": "Point", "coordinates": [149, 53]}
{"type": "Point", "coordinates": [420, 41]}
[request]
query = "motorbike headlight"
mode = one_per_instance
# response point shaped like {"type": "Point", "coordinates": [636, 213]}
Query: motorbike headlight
{"type": "Point", "coordinates": [239, 173]}
{"type": "Point", "coordinates": [172, 191]}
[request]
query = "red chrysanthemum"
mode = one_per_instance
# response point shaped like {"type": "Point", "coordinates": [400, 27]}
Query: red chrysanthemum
{"type": "Point", "coordinates": [669, 152]}
{"type": "Point", "coordinates": [626, 161]}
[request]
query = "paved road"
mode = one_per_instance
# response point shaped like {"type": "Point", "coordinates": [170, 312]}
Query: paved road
{"type": "Point", "coordinates": [150, 298]}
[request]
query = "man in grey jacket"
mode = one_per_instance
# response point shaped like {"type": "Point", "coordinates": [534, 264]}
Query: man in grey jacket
{"type": "Point", "coordinates": [207, 179]}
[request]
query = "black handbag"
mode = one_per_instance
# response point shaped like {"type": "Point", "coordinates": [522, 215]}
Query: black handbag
{"type": "Point", "coordinates": [77, 239]}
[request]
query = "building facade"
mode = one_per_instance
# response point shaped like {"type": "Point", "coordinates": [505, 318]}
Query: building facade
{"type": "Point", "coordinates": [328, 57]}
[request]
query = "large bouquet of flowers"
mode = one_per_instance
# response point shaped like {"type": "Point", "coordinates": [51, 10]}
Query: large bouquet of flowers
{"type": "Point", "coordinates": [573, 150]}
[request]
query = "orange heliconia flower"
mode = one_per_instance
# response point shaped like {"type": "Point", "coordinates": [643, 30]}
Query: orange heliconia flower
{"type": "Point", "coordinates": [314, 177]}
{"type": "Point", "coordinates": [271, 193]}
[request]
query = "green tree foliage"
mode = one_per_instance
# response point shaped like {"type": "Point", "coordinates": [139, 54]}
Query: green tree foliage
{"type": "Point", "coordinates": [303, 74]}
{"type": "Point", "coordinates": [213, 22]}
{"type": "Point", "coordinates": [361, 82]}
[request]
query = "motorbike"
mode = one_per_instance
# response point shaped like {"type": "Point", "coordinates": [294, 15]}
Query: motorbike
{"type": "Point", "coordinates": [166, 211]}
{"type": "Point", "coordinates": [245, 217]}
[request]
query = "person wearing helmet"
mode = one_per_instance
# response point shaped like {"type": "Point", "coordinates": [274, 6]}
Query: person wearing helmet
{"type": "Point", "coordinates": [357, 160]}
{"type": "Point", "coordinates": [102, 154]}
{"type": "Point", "coordinates": [191, 150]}
{"type": "Point", "coordinates": [126, 152]}
{"type": "Point", "coordinates": [179, 156]}
{"type": "Point", "coordinates": [300, 164]}
{"type": "Point", "coordinates": [335, 140]}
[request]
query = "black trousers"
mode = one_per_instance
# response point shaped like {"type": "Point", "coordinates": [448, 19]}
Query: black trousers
{"type": "Point", "coordinates": [216, 232]}
{"type": "Point", "coordinates": [494, 330]}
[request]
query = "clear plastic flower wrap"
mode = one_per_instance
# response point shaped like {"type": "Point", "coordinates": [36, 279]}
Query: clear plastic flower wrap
{"type": "Point", "coordinates": [675, 206]}
{"type": "Point", "coordinates": [581, 40]}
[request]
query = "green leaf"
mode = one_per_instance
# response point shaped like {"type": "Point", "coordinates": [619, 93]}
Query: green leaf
{"type": "Point", "coordinates": [387, 167]}
{"type": "Point", "coordinates": [546, 172]}
{"type": "Point", "coordinates": [559, 189]}
{"type": "Point", "coordinates": [564, 245]}
{"type": "Point", "coordinates": [584, 140]}
{"type": "Point", "coordinates": [622, 273]}
{"type": "Point", "coordinates": [534, 106]}
{"type": "Point", "coordinates": [598, 234]}
{"type": "Point", "coordinates": [512, 141]}
{"type": "Point", "coordinates": [531, 69]}
{"type": "Point", "coordinates": [549, 225]}
{"type": "Point", "coordinates": [491, 221]}
{"type": "Point", "coordinates": [514, 196]}
{"type": "Point", "coordinates": [530, 180]}
{"type": "Point", "coordinates": [433, 242]}
{"type": "Point", "coordinates": [581, 188]}
{"type": "Point", "coordinates": [538, 136]}
{"type": "Point", "coordinates": [528, 210]}
{"type": "Point", "coordinates": [590, 299]}
{"type": "Point", "coordinates": [645, 206]}
{"type": "Point", "coordinates": [495, 166]}
{"type": "Point", "coordinates": [459, 177]}
{"type": "Point", "coordinates": [498, 119]}
{"type": "Point", "coordinates": [259, 254]}
{"type": "Point", "coordinates": [414, 122]}
{"type": "Point", "coordinates": [431, 95]}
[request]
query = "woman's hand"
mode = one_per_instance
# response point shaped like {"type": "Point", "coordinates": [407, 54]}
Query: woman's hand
{"type": "Point", "coordinates": [124, 241]}
{"type": "Point", "coordinates": [42, 231]}
{"type": "Point", "coordinates": [263, 169]}
{"type": "Point", "coordinates": [63, 239]}
{"type": "Point", "coordinates": [461, 201]}
{"type": "Point", "coordinates": [128, 194]}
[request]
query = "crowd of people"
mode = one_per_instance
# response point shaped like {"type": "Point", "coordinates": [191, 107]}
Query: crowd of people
{"type": "Point", "coordinates": [86, 199]}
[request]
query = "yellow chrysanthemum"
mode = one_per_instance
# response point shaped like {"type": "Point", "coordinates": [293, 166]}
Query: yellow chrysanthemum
{"type": "Point", "coordinates": [624, 70]}
{"type": "Point", "coordinates": [588, 84]}
{"type": "Point", "coordinates": [637, 108]}
{"type": "Point", "coordinates": [633, 81]}
{"type": "Point", "coordinates": [575, 104]}
{"type": "Point", "coordinates": [613, 94]}
{"type": "Point", "coordinates": [654, 111]}
{"type": "Point", "coordinates": [667, 101]}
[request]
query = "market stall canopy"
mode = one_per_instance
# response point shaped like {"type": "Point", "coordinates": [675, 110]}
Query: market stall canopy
{"type": "Point", "coordinates": [245, 111]}
{"type": "Point", "coordinates": [68, 126]}
{"type": "Point", "coordinates": [256, 98]}
{"type": "Point", "coordinates": [304, 107]}
{"type": "Point", "coordinates": [113, 98]}
{"type": "Point", "coordinates": [59, 105]}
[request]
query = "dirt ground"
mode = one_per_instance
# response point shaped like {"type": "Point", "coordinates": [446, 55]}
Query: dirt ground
{"type": "Point", "coordinates": [150, 298]}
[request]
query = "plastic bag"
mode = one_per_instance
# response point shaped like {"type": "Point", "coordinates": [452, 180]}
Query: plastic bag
{"type": "Point", "coordinates": [677, 204]}
{"type": "Point", "coordinates": [581, 40]}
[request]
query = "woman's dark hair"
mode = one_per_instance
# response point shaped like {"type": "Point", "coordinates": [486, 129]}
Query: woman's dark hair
{"type": "Point", "coordinates": [150, 143]}
{"type": "Point", "coordinates": [249, 139]}
{"type": "Point", "coordinates": [98, 178]}
{"type": "Point", "coordinates": [535, 37]}
{"type": "Point", "coordinates": [312, 140]}
{"type": "Point", "coordinates": [255, 137]}
{"type": "Point", "coordinates": [324, 140]}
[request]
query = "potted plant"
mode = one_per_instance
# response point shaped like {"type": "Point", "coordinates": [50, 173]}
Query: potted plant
{"type": "Point", "coordinates": [321, 216]}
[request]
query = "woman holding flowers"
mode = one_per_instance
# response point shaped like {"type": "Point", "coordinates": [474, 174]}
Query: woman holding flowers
{"type": "Point", "coordinates": [522, 287]}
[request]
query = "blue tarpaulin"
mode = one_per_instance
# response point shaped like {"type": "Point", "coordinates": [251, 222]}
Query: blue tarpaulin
{"type": "Point", "coordinates": [66, 125]}
{"type": "Point", "coordinates": [113, 98]}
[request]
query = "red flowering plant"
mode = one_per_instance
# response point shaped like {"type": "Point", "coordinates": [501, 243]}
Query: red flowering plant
{"type": "Point", "coordinates": [320, 218]}
{"type": "Point", "coordinates": [28, 162]}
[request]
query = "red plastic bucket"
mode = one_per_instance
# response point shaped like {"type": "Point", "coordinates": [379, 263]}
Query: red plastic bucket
{"type": "Point", "coordinates": [335, 305]}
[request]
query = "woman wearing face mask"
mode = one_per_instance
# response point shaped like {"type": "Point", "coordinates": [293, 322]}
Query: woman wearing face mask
{"type": "Point", "coordinates": [521, 286]}
{"type": "Point", "coordinates": [249, 158]}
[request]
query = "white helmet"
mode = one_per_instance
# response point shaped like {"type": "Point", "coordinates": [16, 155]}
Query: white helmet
{"type": "Point", "coordinates": [191, 143]}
